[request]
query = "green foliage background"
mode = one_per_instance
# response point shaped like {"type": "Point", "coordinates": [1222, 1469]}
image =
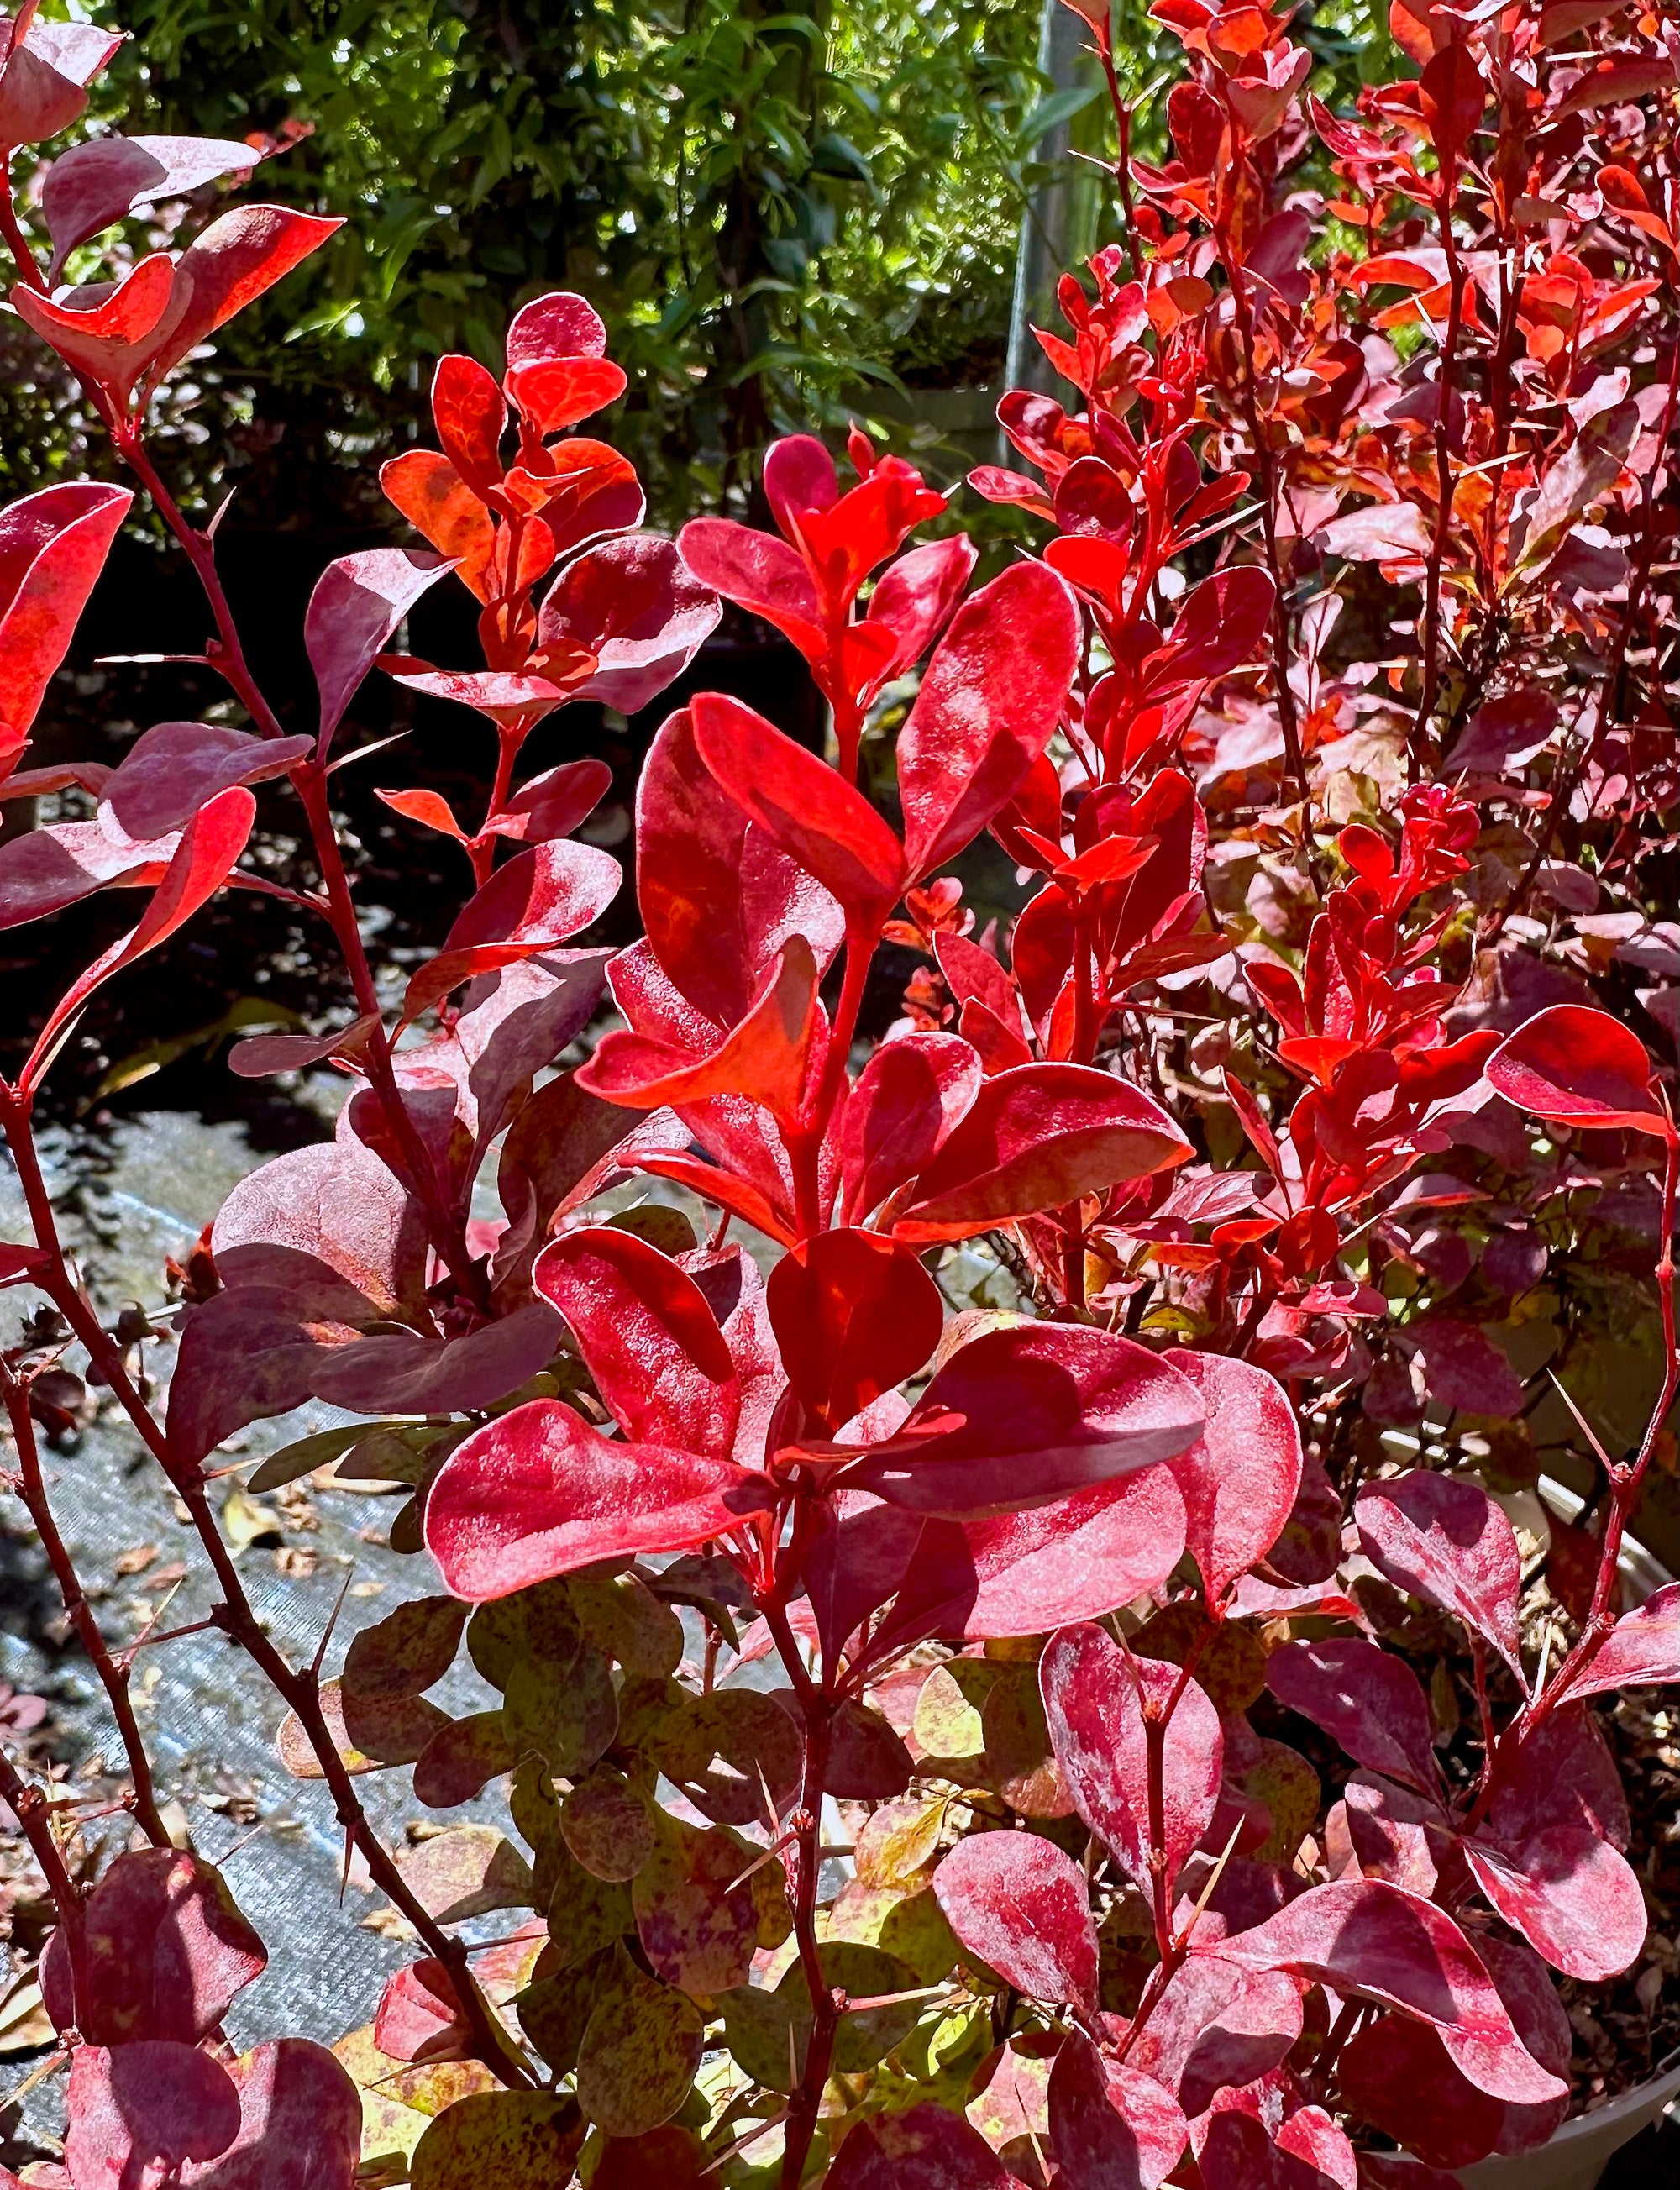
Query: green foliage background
{"type": "Point", "coordinates": [785, 215]}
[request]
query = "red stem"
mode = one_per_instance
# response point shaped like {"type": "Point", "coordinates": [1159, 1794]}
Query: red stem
{"type": "Point", "coordinates": [113, 1677]}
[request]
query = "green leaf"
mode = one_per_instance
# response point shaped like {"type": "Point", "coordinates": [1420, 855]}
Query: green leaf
{"type": "Point", "coordinates": [568, 1714]}
{"type": "Point", "coordinates": [639, 2051]}
{"type": "Point", "coordinates": [734, 1754]}
{"type": "Point", "coordinates": [293, 1462]}
{"type": "Point", "coordinates": [699, 1916]}
{"type": "Point", "coordinates": [621, 1616]}
{"type": "Point", "coordinates": [408, 1651]}
{"type": "Point", "coordinates": [535, 1625]}
{"type": "Point", "coordinates": [607, 1826]}
{"type": "Point", "coordinates": [461, 1760]}
{"type": "Point", "coordinates": [1060, 106]}
{"type": "Point", "coordinates": [517, 2140]}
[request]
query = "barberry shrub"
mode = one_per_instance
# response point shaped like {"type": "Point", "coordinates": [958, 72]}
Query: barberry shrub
{"type": "Point", "coordinates": [972, 1642]}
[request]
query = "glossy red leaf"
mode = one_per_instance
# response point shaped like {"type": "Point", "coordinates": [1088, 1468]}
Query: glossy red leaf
{"type": "Point", "coordinates": [635, 605]}
{"type": "Point", "coordinates": [105, 179]}
{"type": "Point", "coordinates": [1036, 1137]}
{"type": "Point", "coordinates": [171, 1950]}
{"type": "Point", "coordinates": [46, 868]}
{"type": "Point", "coordinates": [1220, 627]}
{"type": "Point", "coordinates": [52, 546]}
{"type": "Point", "coordinates": [812, 813]}
{"type": "Point", "coordinates": [717, 897]}
{"type": "Point", "coordinates": [1571, 1895]}
{"type": "Point", "coordinates": [763, 574]}
{"type": "Point", "coordinates": [1023, 1908]}
{"type": "Point", "coordinates": [110, 336]}
{"type": "Point", "coordinates": [1372, 1941]}
{"type": "Point", "coordinates": [1024, 1574]}
{"type": "Point", "coordinates": [555, 803]}
{"type": "Point", "coordinates": [504, 697]}
{"type": "Point", "coordinates": [1364, 1698]}
{"type": "Point", "coordinates": [227, 266]}
{"type": "Point", "coordinates": [42, 84]}
{"type": "Point", "coordinates": [539, 897]}
{"type": "Point", "coordinates": [1641, 1649]}
{"type": "Point", "coordinates": [300, 2126]}
{"type": "Point", "coordinates": [1094, 1700]}
{"type": "Point", "coordinates": [537, 1493]}
{"type": "Point", "coordinates": [926, 2148]}
{"type": "Point", "coordinates": [908, 1098]}
{"type": "Point", "coordinates": [1111, 2126]}
{"type": "Point", "coordinates": [1446, 1541]}
{"type": "Point", "coordinates": [989, 704]}
{"type": "Point", "coordinates": [765, 1056]}
{"type": "Point", "coordinates": [649, 1335]}
{"type": "Point", "coordinates": [138, 2113]}
{"type": "Point", "coordinates": [557, 371]}
{"type": "Point", "coordinates": [173, 768]}
{"type": "Point", "coordinates": [441, 507]}
{"type": "Point", "coordinates": [471, 417]}
{"type": "Point", "coordinates": [358, 602]}
{"type": "Point", "coordinates": [1240, 1476]}
{"type": "Point", "coordinates": [855, 1314]}
{"type": "Point", "coordinates": [800, 481]}
{"type": "Point", "coordinates": [208, 850]}
{"type": "Point", "coordinates": [1023, 1416]}
{"type": "Point", "coordinates": [419, 2017]}
{"type": "Point", "coordinates": [1216, 2025]}
{"type": "Point", "coordinates": [1577, 1067]}
{"type": "Point", "coordinates": [917, 596]}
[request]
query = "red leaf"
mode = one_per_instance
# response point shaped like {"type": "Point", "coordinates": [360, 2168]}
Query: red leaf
{"type": "Point", "coordinates": [41, 83]}
{"type": "Point", "coordinates": [908, 1098]}
{"type": "Point", "coordinates": [1023, 1908]}
{"type": "Point", "coordinates": [989, 701]}
{"type": "Point", "coordinates": [1024, 1574]}
{"type": "Point", "coordinates": [1372, 1941]}
{"type": "Point", "coordinates": [556, 372]}
{"type": "Point", "coordinates": [916, 596]}
{"type": "Point", "coordinates": [419, 2018]}
{"type": "Point", "coordinates": [555, 803]}
{"type": "Point", "coordinates": [441, 507]}
{"type": "Point", "coordinates": [227, 266]}
{"type": "Point", "coordinates": [765, 1056]}
{"type": "Point", "coordinates": [1111, 2126]}
{"type": "Point", "coordinates": [1452, 93]}
{"type": "Point", "coordinates": [925, 2147]}
{"type": "Point", "coordinates": [538, 1493]}
{"type": "Point", "coordinates": [111, 339]}
{"type": "Point", "coordinates": [1464, 1368]}
{"type": "Point", "coordinates": [1396, 2075]}
{"type": "Point", "coordinates": [1444, 1539]}
{"type": "Point", "coordinates": [1094, 1698]}
{"type": "Point", "coordinates": [402, 1373]}
{"type": "Point", "coordinates": [800, 481]}
{"type": "Point", "coordinates": [855, 1314]}
{"type": "Point", "coordinates": [300, 2124]}
{"type": "Point", "coordinates": [1641, 1649]}
{"type": "Point", "coordinates": [1216, 2025]}
{"type": "Point", "coordinates": [718, 897]}
{"type": "Point", "coordinates": [139, 2113]}
{"type": "Point", "coordinates": [539, 897]}
{"type": "Point", "coordinates": [470, 417]}
{"type": "Point", "coordinates": [1035, 1411]}
{"type": "Point", "coordinates": [802, 805]}
{"type": "Point", "coordinates": [1240, 1476]}
{"type": "Point", "coordinates": [358, 602]}
{"type": "Point", "coordinates": [504, 697]}
{"type": "Point", "coordinates": [1578, 1067]}
{"type": "Point", "coordinates": [1571, 1895]}
{"type": "Point", "coordinates": [634, 604]}
{"type": "Point", "coordinates": [171, 1949]}
{"type": "Point", "coordinates": [1364, 1698]}
{"type": "Point", "coordinates": [52, 546]}
{"type": "Point", "coordinates": [1563, 1774]}
{"type": "Point", "coordinates": [1038, 1137]}
{"type": "Point", "coordinates": [209, 848]}
{"type": "Point", "coordinates": [649, 1335]}
{"type": "Point", "coordinates": [1219, 628]}
{"type": "Point", "coordinates": [760, 572]}
{"type": "Point", "coordinates": [173, 768]}
{"type": "Point", "coordinates": [105, 179]}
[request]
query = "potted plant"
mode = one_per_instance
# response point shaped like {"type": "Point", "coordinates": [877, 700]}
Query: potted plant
{"type": "Point", "coordinates": [1015, 1637]}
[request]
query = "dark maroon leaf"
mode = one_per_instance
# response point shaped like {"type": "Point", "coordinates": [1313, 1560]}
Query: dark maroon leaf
{"type": "Point", "coordinates": [1363, 1697]}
